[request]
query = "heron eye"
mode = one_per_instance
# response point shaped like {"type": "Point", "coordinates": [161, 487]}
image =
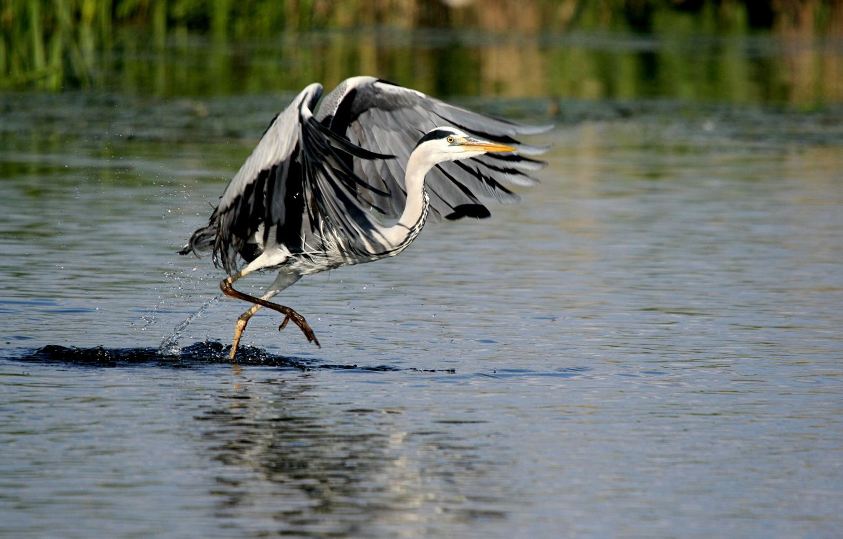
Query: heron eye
{"type": "Point", "coordinates": [450, 139]}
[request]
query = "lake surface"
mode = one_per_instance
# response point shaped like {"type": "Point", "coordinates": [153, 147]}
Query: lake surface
{"type": "Point", "coordinates": [647, 345]}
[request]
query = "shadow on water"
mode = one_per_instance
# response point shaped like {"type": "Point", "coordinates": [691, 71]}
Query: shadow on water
{"type": "Point", "coordinates": [194, 355]}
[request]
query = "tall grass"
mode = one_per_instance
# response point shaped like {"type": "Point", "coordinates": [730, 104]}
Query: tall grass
{"type": "Point", "coordinates": [139, 45]}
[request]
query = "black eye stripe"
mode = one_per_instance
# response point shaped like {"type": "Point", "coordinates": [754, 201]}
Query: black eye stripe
{"type": "Point", "coordinates": [436, 134]}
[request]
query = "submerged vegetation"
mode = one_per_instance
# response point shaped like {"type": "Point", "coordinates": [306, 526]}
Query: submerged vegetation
{"type": "Point", "coordinates": [785, 51]}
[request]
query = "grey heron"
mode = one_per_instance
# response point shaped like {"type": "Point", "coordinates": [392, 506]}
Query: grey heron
{"type": "Point", "coordinates": [311, 195]}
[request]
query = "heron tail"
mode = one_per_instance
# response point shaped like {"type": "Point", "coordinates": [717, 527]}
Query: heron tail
{"type": "Point", "coordinates": [201, 241]}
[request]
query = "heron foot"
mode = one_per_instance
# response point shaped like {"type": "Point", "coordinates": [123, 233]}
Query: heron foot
{"type": "Point", "coordinates": [299, 320]}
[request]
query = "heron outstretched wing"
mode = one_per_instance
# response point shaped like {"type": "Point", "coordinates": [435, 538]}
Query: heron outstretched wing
{"type": "Point", "coordinates": [384, 117]}
{"type": "Point", "coordinates": [296, 185]}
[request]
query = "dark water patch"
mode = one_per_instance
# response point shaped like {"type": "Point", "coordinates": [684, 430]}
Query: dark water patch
{"type": "Point", "coordinates": [200, 353]}
{"type": "Point", "coordinates": [380, 368]}
{"type": "Point", "coordinates": [194, 355]}
{"type": "Point", "coordinates": [564, 372]}
{"type": "Point", "coordinates": [35, 302]}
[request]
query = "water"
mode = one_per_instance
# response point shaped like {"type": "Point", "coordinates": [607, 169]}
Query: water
{"type": "Point", "coordinates": [647, 345]}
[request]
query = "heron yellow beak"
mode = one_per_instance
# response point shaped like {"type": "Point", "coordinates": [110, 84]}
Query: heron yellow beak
{"type": "Point", "coordinates": [485, 145]}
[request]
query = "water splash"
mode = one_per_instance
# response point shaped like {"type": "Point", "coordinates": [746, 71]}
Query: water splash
{"type": "Point", "coordinates": [170, 345]}
{"type": "Point", "coordinates": [178, 285]}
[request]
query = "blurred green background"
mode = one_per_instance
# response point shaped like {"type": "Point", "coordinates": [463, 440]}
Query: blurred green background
{"type": "Point", "coordinates": [779, 51]}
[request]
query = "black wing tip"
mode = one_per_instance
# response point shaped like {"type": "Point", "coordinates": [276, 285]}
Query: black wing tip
{"type": "Point", "coordinates": [474, 211]}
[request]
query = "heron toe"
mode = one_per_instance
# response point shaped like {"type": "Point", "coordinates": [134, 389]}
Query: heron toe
{"type": "Point", "coordinates": [300, 321]}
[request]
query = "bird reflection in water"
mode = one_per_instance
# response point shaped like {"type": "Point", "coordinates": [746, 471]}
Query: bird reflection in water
{"type": "Point", "coordinates": [290, 462]}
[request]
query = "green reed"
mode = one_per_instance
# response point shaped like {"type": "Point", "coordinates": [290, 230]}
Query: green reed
{"type": "Point", "coordinates": [140, 46]}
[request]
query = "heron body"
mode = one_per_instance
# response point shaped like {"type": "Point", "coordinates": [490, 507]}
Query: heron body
{"type": "Point", "coordinates": [313, 194]}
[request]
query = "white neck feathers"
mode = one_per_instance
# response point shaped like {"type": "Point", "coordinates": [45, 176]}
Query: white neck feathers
{"type": "Point", "coordinates": [415, 211]}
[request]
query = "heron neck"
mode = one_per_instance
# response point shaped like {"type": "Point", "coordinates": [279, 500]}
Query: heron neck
{"type": "Point", "coordinates": [416, 206]}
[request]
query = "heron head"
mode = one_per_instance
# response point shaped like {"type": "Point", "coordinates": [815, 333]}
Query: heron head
{"type": "Point", "coordinates": [451, 144]}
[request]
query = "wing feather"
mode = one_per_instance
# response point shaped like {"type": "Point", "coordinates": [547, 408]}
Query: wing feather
{"type": "Point", "coordinates": [298, 190]}
{"type": "Point", "coordinates": [385, 117]}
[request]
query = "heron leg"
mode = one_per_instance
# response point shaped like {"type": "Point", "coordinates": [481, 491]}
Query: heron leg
{"type": "Point", "coordinates": [240, 325]}
{"type": "Point", "coordinates": [281, 282]}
